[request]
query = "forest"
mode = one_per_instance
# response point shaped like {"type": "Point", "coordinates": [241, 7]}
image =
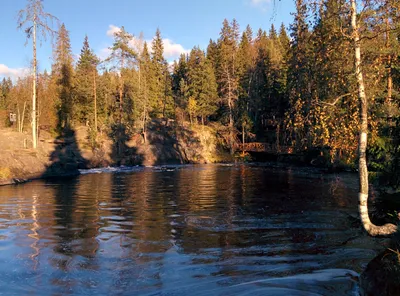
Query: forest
{"type": "Point", "coordinates": [294, 87]}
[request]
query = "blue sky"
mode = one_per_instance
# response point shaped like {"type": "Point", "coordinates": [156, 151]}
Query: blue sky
{"type": "Point", "coordinates": [183, 24]}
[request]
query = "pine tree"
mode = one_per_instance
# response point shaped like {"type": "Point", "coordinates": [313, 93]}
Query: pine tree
{"type": "Point", "coordinates": [123, 56]}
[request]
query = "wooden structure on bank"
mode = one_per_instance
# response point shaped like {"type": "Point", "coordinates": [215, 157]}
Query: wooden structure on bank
{"type": "Point", "coordinates": [264, 148]}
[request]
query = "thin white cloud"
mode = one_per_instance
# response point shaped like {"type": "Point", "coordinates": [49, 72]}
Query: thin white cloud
{"type": "Point", "coordinates": [104, 53]}
{"type": "Point", "coordinates": [262, 4]}
{"type": "Point", "coordinates": [6, 71]}
{"type": "Point", "coordinates": [112, 30]}
{"type": "Point", "coordinates": [259, 2]}
{"type": "Point", "coordinates": [172, 50]}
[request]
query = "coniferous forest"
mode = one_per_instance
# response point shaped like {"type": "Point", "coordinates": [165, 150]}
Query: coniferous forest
{"type": "Point", "coordinates": [318, 101]}
{"type": "Point", "coordinates": [293, 87]}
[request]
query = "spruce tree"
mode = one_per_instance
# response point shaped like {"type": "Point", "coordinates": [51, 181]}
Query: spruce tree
{"type": "Point", "coordinates": [300, 79]}
{"type": "Point", "coordinates": [201, 85]}
{"type": "Point", "coordinates": [5, 88]}
{"type": "Point", "coordinates": [161, 96]}
{"type": "Point", "coordinates": [228, 72]}
{"type": "Point", "coordinates": [86, 86]}
{"type": "Point", "coordinates": [144, 95]}
{"type": "Point", "coordinates": [62, 71]}
{"type": "Point", "coordinates": [179, 84]}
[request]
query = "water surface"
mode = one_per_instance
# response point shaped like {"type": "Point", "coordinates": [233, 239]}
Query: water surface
{"type": "Point", "coordinates": [185, 230]}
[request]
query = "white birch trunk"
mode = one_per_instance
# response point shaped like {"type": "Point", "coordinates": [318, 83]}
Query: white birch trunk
{"type": "Point", "coordinates": [362, 165]}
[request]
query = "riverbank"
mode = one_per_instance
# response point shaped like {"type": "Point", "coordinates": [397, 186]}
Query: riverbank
{"type": "Point", "coordinates": [65, 154]}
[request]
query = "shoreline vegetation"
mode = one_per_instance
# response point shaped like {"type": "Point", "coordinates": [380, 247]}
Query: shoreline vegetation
{"type": "Point", "coordinates": [329, 84]}
{"type": "Point", "coordinates": [64, 155]}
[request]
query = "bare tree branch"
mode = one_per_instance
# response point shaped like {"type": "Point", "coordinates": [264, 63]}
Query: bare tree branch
{"type": "Point", "coordinates": [336, 100]}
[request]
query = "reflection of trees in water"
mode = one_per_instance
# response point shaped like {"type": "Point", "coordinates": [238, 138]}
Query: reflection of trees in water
{"type": "Point", "coordinates": [35, 227]}
{"type": "Point", "coordinates": [140, 188]}
{"type": "Point", "coordinates": [339, 192]}
{"type": "Point", "coordinates": [86, 216]}
{"type": "Point", "coordinates": [154, 223]}
{"type": "Point", "coordinates": [65, 196]}
{"type": "Point", "coordinates": [36, 218]}
{"type": "Point", "coordinates": [77, 219]}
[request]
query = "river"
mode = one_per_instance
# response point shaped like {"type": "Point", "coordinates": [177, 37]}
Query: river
{"type": "Point", "coordinates": [184, 230]}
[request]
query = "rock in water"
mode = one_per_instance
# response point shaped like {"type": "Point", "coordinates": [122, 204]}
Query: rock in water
{"type": "Point", "coordinates": [382, 275]}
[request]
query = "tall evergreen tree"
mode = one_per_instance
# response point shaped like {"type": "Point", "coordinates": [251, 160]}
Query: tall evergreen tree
{"type": "Point", "coordinates": [300, 78]}
{"type": "Point", "coordinates": [62, 70]}
{"type": "Point", "coordinates": [86, 86]}
{"type": "Point", "coordinates": [180, 82]}
{"type": "Point", "coordinates": [144, 95]}
{"type": "Point", "coordinates": [202, 86]}
{"type": "Point", "coordinates": [161, 97]}
{"type": "Point", "coordinates": [228, 79]}
{"type": "Point", "coordinates": [5, 88]}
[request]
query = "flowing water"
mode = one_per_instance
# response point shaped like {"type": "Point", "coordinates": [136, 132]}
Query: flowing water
{"type": "Point", "coordinates": [184, 230]}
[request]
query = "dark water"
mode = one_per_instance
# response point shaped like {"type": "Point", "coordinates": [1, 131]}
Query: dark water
{"type": "Point", "coordinates": [189, 230]}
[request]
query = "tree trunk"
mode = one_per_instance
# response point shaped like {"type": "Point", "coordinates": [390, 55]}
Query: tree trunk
{"type": "Point", "coordinates": [34, 129]}
{"type": "Point", "coordinates": [144, 125]}
{"type": "Point", "coordinates": [389, 66]}
{"type": "Point", "coordinates": [243, 138]}
{"type": "Point", "coordinates": [121, 88]}
{"type": "Point", "coordinates": [362, 163]}
{"type": "Point", "coordinates": [277, 137]}
{"type": "Point", "coordinates": [18, 120]}
{"type": "Point", "coordinates": [95, 100]}
{"type": "Point", "coordinates": [231, 140]}
{"type": "Point", "coordinates": [21, 127]}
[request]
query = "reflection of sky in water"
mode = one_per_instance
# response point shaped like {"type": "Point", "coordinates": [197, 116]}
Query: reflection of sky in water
{"type": "Point", "coordinates": [180, 230]}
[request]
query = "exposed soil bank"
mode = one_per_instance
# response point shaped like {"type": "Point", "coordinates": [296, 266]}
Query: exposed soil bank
{"type": "Point", "coordinates": [66, 154]}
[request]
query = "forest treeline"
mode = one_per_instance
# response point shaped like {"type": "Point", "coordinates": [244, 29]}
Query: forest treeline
{"type": "Point", "coordinates": [291, 86]}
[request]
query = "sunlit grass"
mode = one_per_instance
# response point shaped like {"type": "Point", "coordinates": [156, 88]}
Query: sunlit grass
{"type": "Point", "coordinates": [397, 252]}
{"type": "Point", "coordinates": [5, 173]}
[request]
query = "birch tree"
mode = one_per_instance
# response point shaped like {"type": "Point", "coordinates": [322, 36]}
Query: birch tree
{"type": "Point", "coordinates": [372, 229]}
{"type": "Point", "coordinates": [33, 19]}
